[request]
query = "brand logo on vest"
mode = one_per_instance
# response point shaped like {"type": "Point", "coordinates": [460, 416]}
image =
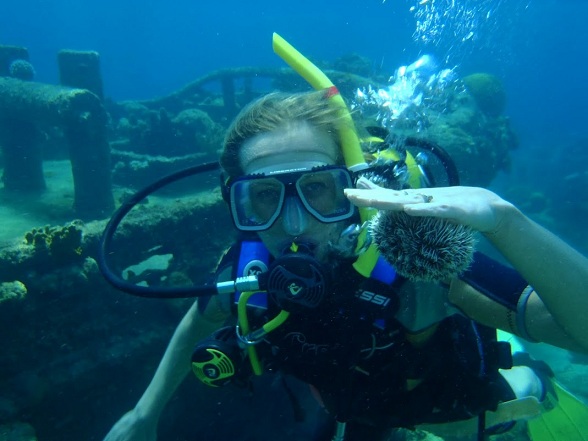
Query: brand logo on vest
{"type": "Point", "coordinates": [372, 297]}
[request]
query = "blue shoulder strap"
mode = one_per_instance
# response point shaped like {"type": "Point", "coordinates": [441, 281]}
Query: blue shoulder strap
{"type": "Point", "coordinates": [253, 259]}
{"type": "Point", "coordinates": [383, 272]}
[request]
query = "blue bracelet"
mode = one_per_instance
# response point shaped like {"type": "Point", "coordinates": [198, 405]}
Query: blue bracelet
{"type": "Point", "coordinates": [521, 312]}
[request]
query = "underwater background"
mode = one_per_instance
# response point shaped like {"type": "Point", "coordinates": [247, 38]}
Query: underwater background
{"type": "Point", "coordinates": [76, 353]}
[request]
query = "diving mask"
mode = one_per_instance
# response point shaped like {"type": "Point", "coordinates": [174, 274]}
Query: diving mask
{"type": "Point", "coordinates": [257, 200]}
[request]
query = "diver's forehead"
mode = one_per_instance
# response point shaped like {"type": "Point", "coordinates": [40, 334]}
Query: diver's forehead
{"type": "Point", "coordinates": [297, 146]}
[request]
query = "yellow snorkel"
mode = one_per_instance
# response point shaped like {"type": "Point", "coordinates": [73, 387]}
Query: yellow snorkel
{"type": "Point", "coordinates": [350, 145]}
{"type": "Point", "coordinates": [354, 160]}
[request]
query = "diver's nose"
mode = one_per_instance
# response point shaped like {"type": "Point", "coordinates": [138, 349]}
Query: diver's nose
{"type": "Point", "coordinates": [294, 217]}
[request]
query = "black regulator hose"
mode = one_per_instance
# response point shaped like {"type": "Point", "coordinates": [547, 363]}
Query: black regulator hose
{"type": "Point", "coordinates": [411, 141]}
{"type": "Point", "coordinates": [440, 153]}
{"type": "Point", "coordinates": [106, 240]}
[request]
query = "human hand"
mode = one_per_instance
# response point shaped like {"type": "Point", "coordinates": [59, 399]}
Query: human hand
{"type": "Point", "coordinates": [132, 427]}
{"type": "Point", "coordinates": [475, 207]}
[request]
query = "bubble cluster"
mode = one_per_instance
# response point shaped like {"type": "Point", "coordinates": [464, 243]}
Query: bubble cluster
{"type": "Point", "coordinates": [414, 91]}
{"type": "Point", "coordinates": [460, 28]}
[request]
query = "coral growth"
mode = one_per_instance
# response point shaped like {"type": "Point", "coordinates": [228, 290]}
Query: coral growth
{"type": "Point", "coordinates": [12, 290]}
{"type": "Point", "coordinates": [22, 69]}
{"type": "Point", "coordinates": [488, 92]}
{"type": "Point", "coordinates": [354, 63]}
{"type": "Point", "coordinates": [63, 244]}
{"type": "Point", "coordinates": [159, 132]}
{"type": "Point", "coordinates": [194, 130]}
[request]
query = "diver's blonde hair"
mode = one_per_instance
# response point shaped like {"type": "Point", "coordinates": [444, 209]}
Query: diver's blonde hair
{"type": "Point", "coordinates": [275, 111]}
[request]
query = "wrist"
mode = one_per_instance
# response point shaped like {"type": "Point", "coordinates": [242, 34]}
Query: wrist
{"type": "Point", "coordinates": [504, 214]}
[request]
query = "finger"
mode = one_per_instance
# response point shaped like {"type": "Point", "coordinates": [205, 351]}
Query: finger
{"type": "Point", "coordinates": [364, 183]}
{"type": "Point", "coordinates": [374, 201]}
{"type": "Point", "coordinates": [385, 195]}
{"type": "Point", "coordinates": [384, 199]}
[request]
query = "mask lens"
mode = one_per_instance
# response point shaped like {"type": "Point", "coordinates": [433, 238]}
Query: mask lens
{"type": "Point", "coordinates": [322, 194]}
{"type": "Point", "coordinates": [256, 203]}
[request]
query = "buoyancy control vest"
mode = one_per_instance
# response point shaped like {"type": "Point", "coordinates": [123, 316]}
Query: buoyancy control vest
{"type": "Point", "coordinates": [364, 363]}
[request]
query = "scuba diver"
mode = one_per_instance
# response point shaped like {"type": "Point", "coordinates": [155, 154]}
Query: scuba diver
{"type": "Point", "coordinates": [305, 293]}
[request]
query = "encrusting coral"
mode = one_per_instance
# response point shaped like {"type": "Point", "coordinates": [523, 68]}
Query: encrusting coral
{"type": "Point", "coordinates": [22, 69]}
{"type": "Point", "coordinates": [488, 92]}
{"type": "Point", "coordinates": [63, 244]}
{"type": "Point", "coordinates": [12, 291]}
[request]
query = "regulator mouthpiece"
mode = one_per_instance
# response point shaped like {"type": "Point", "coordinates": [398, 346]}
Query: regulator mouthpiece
{"type": "Point", "coordinates": [296, 280]}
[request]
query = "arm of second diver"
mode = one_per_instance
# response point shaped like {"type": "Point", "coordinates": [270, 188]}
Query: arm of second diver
{"type": "Point", "coordinates": [175, 363]}
{"type": "Point", "coordinates": [141, 422]}
{"type": "Point", "coordinates": [557, 272]}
